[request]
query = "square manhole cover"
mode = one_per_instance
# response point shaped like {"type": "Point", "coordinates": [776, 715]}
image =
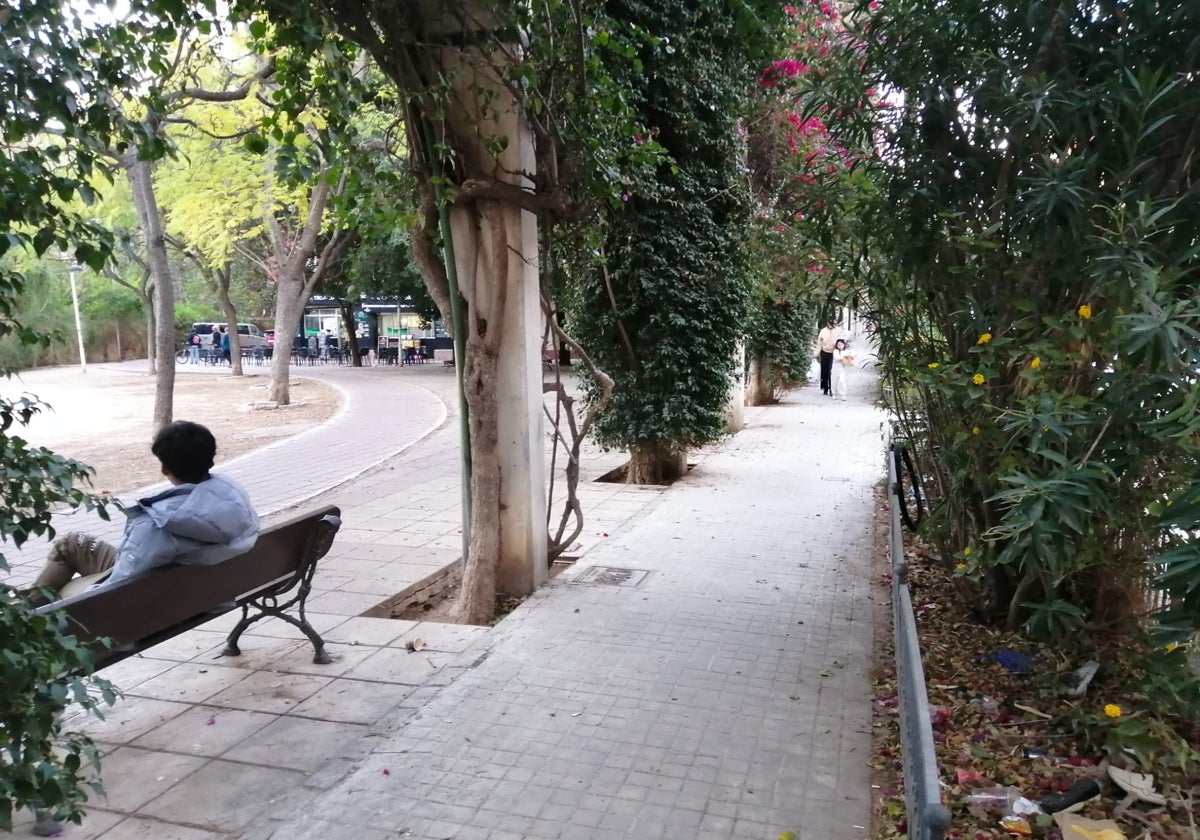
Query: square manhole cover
{"type": "Point", "coordinates": [612, 576]}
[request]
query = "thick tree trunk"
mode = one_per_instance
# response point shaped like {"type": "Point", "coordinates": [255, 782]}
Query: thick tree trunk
{"type": "Point", "coordinates": [477, 597]}
{"type": "Point", "coordinates": [502, 386]}
{"type": "Point", "coordinates": [295, 283]}
{"type": "Point", "coordinates": [221, 276]}
{"type": "Point", "coordinates": [760, 390]}
{"type": "Point", "coordinates": [655, 462]}
{"type": "Point", "coordinates": [141, 182]}
{"type": "Point", "coordinates": [289, 309]}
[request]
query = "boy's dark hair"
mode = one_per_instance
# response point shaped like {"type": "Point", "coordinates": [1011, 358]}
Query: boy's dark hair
{"type": "Point", "coordinates": [186, 449]}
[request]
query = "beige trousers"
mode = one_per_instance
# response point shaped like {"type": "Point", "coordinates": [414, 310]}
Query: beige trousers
{"type": "Point", "coordinates": [71, 555]}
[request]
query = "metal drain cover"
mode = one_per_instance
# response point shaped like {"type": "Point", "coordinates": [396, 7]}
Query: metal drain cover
{"type": "Point", "coordinates": [612, 576]}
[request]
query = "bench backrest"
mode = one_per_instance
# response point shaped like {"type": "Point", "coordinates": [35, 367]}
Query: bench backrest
{"type": "Point", "coordinates": [168, 600]}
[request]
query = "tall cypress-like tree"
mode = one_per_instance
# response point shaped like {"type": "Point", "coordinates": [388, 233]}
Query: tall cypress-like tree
{"type": "Point", "coordinates": [664, 312]}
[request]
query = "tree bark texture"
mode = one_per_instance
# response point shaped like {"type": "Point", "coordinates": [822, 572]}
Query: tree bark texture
{"type": "Point", "coordinates": [148, 311]}
{"type": "Point", "coordinates": [221, 278]}
{"type": "Point", "coordinates": [289, 310]}
{"type": "Point", "coordinates": [347, 310]}
{"type": "Point", "coordinates": [760, 389]}
{"type": "Point", "coordinates": [507, 513]}
{"type": "Point", "coordinates": [655, 462]}
{"type": "Point", "coordinates": [141, 183]}
{"type": "Point", "coordinates": [295, 282]}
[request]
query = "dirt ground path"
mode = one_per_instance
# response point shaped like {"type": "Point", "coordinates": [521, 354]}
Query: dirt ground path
{"type": "Point", "coordinates": [103, 417]}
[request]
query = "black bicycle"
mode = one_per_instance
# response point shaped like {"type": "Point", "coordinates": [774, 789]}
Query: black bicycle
{"type": "Point", "coordinates": [904, 464]}
{"type": "Point", "coordinates": [183, 355]}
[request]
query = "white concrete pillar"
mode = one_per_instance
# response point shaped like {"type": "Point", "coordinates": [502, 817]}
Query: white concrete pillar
{"type": "Point", "coordinates": [735, 414]}
{"type": "Point", "coordinates": [521, 566]}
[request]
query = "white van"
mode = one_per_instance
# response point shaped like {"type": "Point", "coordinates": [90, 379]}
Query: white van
{"type": "Point", "coordinates": [248, 334]}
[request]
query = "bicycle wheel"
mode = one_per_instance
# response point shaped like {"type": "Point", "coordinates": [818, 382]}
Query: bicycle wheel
{"type": "Point", "coordinates": [181, 357]}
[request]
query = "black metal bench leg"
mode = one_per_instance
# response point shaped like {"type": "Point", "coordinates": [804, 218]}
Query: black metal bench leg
{"type": "Point", "coordinates": [231, 642]}
{"type": "Point", "coordinates": [320, 657]}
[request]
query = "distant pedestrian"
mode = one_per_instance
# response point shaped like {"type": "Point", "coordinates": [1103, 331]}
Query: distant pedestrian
{"type": "Point", "coordinates": [225, 346]}
{"type": "Point", "coordinates": [825, 341]}
{"type": "Point", "coordinates": [193, 346]}
{"type": "Point", "coordinates": [843, 357]}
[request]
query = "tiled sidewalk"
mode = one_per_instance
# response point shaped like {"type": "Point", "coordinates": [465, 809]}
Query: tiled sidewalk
{"type": "Point", "coordinates": [202, 746]}
{"type": "Point", "coordinates": [723, 695]}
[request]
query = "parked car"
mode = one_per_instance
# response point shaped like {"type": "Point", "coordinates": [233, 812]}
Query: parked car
{"type": "Point", "coordinates": [248, 334]}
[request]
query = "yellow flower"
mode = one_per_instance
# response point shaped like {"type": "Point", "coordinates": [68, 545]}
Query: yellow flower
{"type": "Point", "coordinates": [1085, 312]}
{"type": "Point", "coordinates": [934, 366]}
{"type": "Point", "coordinates": [978, 379]}
{"type": "Point", "coordinates": [967, 551]}
{"type": "Point", "coordinates": [961, 566]}
{"type": "Point", "coordinates": [1172, 646]}
{"type": "Point", "coordinates": [1036, 363]}
{"type": "Point", "coordinates": [984, 339]}
{"type": "Point", "coordinates": [1112, 710]}
{"type": "Point", "coordinates": [974, 430]}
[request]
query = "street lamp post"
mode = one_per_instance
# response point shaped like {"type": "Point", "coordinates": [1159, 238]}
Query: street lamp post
{"type": "Point", "coordinates": [74, 270]}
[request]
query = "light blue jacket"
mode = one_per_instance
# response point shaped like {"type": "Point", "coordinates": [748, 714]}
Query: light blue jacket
{"type": "Point", "coordinates": [200, 524]}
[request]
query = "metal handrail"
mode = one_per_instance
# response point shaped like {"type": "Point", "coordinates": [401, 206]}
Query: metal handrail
{"type": "Point", "coordinates": [928, 818]}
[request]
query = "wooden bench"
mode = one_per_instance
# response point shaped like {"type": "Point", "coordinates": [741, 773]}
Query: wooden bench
{"type": "Point", "coordinates": [269, 580]}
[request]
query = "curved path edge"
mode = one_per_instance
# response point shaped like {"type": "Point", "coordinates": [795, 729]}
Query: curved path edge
{"type": "Point", "coordinates": [381, 416]}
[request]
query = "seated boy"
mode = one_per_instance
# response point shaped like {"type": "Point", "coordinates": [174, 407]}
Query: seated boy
{"type": "Point", "coordinates": [202, 519]}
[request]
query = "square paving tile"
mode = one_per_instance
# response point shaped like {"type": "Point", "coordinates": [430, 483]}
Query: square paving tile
{"type": "Point", "coordinates": [129, 718]}
{"type": "Point", "coordinates": [258, 652]}
{"type": "Point", "coordinates": [223, 795]}
{"type": "Point", "coordinates": [345, 603]}
{"type": "Point", "coordinates": [204, 730]}
{"type": "Point", "coordinates": [131, 672]}
{"type": "Point", "coordinates": [132, 777]}
{"type": "Point", "coordinates": [369, 631]}
{"type": "Point", "coordinates": [299, 743]}
{"type": "Point", "coordinates": [189, 682]}
{"type": "Point", "coordinates": [352, 701]}
{"type": "Point", "coordinates": [454, 638]}
{"type": "Point", "coordinates": [95, 823]}
{"type": "Point", "coordinates": [267, 691]}
{"type": "Point", "coordinates": [299, 660]}
{"type": "Point", "coordinates": [135, 828]}
{"type": "Point", "coordinates": [397, 665]}
{"type": "Point", "coordinates": [188, 645]}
